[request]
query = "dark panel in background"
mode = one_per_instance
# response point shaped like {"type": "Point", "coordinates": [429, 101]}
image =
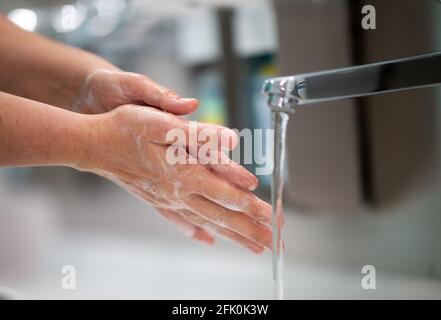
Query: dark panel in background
{"type": "Point", "coordinates": [322, 139]}
{"type": "Point", "coordinates": [401, 126]}
{"type": "Point", "coordinates": [371, 152]}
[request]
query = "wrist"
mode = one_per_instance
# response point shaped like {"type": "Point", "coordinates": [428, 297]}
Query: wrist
{"type": "Point", "coordinates": [101, 140]}
{"type": "Point", "coordinates": [88, 135]}
{"type": "Point", "coordinates": [36, 134]}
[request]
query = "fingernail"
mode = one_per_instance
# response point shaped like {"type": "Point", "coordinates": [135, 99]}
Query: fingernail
{"type": "Point", "coordinates": [253, 182]}
{"type": "Point", "coordinates": [187, 100]}
{"type": "Point", "coordinates": [255, 248]}
{"type": "Point", "coordinates": [202, 238]}
{"type": "Point", "coordinates": [258, 250]}
{"type": "Point", "coordinates": [208, 242]}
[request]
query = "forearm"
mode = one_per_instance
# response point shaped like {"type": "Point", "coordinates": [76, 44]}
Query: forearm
{"type": "Point", "coordinates": [33, 133]}
{"type": "Point", "coordinates": [37, 68]}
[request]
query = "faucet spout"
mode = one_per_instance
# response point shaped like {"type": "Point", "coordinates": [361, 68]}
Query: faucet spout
{"type": "Point", "coordinates": [285, 93]}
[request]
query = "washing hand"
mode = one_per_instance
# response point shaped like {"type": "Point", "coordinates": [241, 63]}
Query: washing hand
{"type": "Point", "coordinates": [199, 198]}
{"type": "Point", "coordinates": [127, 144]}
{"type": "Point", "coordinates": [105, 89]}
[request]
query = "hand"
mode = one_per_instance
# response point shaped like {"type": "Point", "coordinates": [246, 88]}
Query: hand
{"type": "Point", "coordinates": [131, 151]}
{"type": "Point", "coordinates": [105, 90]}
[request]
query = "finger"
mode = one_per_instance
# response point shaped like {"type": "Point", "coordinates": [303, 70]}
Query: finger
{"type": "Point", "coordinates": [228, 138]}
{"type": "Point", "coordinates": [233, 172]}
{"type": "Point", "coordinates": [226, 169]}
{"type": "Point", "coordinates": [222, 192]}
{"type": "Point", "coordinates": [226, 233]}
{"type": "Point", "coordinates": [208, 150]}
{"type": "Point", "coordinates": [233, 220]}
{"type": "Point", "coordinates": [142, 88]}
{"type": "Point", "coordinates": [174, 130]}
{"type": "Point", "coordinates": [188, 228]}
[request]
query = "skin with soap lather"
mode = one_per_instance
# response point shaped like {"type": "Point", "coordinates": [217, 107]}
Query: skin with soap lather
{"type": "Point", "coordinates": [124, 144]}
{"type": "Point", "coordinates": [106, 89]}
{"type": "Point", "coordinates": [194, 196]}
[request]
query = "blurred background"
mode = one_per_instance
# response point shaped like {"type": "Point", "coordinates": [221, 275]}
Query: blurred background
{"type": "Point", "coordinates": [362, 183]}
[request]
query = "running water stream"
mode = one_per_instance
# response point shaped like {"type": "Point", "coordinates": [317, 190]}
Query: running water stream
{"type": "Point", "coordinates": [279, 121]}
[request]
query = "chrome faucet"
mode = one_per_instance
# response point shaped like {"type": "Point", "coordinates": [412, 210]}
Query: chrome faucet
{"type": "Point", "coordinates": [285, 93]}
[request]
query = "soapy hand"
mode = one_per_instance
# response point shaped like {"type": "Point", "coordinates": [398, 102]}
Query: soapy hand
{"type": "Point", "coordinates": [199, 198]}
{"type": "Point", "coordinates": [105, 89]}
